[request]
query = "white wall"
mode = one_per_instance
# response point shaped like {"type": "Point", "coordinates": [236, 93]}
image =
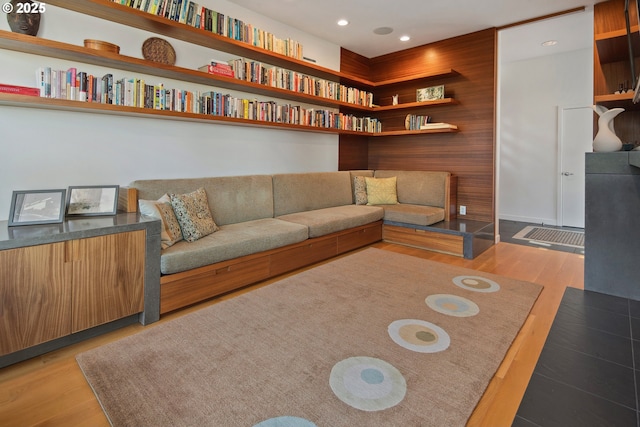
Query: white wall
{"type": "Point", "coordinates": [530, 92]}
{"type": "Point", "coordinates": [42, 149]}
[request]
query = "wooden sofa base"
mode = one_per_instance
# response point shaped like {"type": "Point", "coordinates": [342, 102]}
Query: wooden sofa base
{"type": "Point", "coordinates": [424, 239]}
{"type": "Point", "coordinates": [189, 287]}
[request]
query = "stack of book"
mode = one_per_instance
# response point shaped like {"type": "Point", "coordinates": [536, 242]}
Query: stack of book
{"type": "Point", "coordinates": [19, 90]}
{"type": "Point", "coordinates": [219, 68]}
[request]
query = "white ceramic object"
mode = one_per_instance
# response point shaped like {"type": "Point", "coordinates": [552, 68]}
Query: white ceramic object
{"type": "Point", "coordinates": [606, 139]}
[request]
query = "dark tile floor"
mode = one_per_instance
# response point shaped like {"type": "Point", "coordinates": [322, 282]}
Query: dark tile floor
{"type": "Point", "coordinates": [510, 228]}
{"type": "Point", "coordinates": [589, 369]}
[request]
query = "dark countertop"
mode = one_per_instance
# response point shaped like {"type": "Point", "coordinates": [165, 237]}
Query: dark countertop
{"type": "Point", "coordinates": [73, 228]}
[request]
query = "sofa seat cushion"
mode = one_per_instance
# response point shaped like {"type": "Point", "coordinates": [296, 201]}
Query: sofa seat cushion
{"type": "Point", "coordinates": [338, 218]}
{"type": "Point", "coordinates": [413, 214]}
{"type": "Point", "coordinates": [231, 241]}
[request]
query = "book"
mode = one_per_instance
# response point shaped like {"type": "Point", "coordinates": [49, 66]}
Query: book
{"type": "Point", "coordinates": [437, 126]}
{"type": "Point", "coordinates": [19, 90]}
{"type": "Point", "coordinates": [214, 69]}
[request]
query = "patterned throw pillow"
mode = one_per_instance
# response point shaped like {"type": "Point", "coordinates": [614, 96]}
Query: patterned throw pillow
{"type": "Point", "coordinates": [360, 190]}
{"type": "Point", "coordinates": [194, 216]}
{"type": "Point", "coordinates": [381, 191]}
{"type": "Point", "coordinates": [161, 209]}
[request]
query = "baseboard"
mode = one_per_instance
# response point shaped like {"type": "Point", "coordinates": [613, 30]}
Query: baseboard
{"type": "Point", "coordinates": [533, 220]}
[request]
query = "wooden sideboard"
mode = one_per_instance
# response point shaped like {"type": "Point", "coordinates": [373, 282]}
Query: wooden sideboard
{"type": "Point", "coordinates": [61, 283]}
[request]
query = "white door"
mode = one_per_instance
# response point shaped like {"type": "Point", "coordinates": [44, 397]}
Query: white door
{"type": "Point", "coordinates": [575, 139]}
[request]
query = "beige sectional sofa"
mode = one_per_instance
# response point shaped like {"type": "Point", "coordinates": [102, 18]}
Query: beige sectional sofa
{"type": "Point", "coordinates": [272, 224]}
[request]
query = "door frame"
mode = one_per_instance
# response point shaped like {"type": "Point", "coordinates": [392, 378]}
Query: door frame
{"type": "Point", "coordinates": [560, 181]}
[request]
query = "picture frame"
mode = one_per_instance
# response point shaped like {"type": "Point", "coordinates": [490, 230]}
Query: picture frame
{"type": "Point", "coordinates": [29, 207]}
{"type": "Point", "coordinates": [430, 93]}
{"type": "Point", "coordinates": [92, 200]}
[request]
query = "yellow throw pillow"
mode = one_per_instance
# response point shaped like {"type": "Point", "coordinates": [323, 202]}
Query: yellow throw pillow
{"type": "Point", "coordinates": [381, 191]}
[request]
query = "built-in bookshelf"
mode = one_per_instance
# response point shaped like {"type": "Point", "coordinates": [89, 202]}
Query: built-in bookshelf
{"type": "Point", "coordinates": [113, 11]}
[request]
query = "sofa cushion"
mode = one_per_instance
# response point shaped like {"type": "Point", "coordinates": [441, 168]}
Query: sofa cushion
{"type": "Point", "coordinates": [413, 214]}
{"type": "Point", "coordinates": [193, 214]}
{"type": "Point", "coordinates": [419, 187]}
{"type": "Point", "coordinates": [301, 192]}
{"type": "Point", "coordinates": [354, 174]}
{"type": "Point", "coordinates": [360, 190]}
{"type": "Point", "coordinates": [161, 209]}
{"type": "Point", "coordinates": [232, 241]}
{"type": "Point", "coordinates": [338, 218]}
{"type": "Point", "coordinates": [381, 191]}
{"type": "Point", "coordinates": [232, 199]}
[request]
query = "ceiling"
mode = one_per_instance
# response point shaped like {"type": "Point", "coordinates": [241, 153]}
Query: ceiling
{"type": "Point", "coordinates": [425, 21]}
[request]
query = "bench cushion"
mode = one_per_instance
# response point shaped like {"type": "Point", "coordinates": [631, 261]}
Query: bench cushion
{"type": "Point", "coordinates": [329, 220]}
{"type": "Point", "coordinates": [301, 192]}
{"type": "Point", "coordinates": [413, 214]}
{"type": "Point", "coordinates": [232, 199]}
{"type": "Point", "coordinates": [231, 241]}
{"type": "Point", "coordinates": [419, 187]}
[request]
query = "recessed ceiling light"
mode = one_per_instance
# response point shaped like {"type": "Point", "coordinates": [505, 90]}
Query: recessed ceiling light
{"type": "Point", "coordinates": [550, 43]}
{"type": "Point", "coordinates": [343, 22]}
{"type": "Point", "coordinates": [381, 31]}
{"type": "Point", "coordinates": [405, 38]}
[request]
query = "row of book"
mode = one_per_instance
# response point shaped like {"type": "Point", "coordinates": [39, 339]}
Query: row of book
{"type": "Point", "coordinates": [416, 122]}
{"type": "Point", "coordinates": [257, 72]}
{"type": "Point", "coordinates": [191, 13]}
{"type": "Point", "coordinates": [76, 85]}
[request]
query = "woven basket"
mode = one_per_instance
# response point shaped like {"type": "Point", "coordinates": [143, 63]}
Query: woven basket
{"type": "Point", "coordinates": [158, 50]}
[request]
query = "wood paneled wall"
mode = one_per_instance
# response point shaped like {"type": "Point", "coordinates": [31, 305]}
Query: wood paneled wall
{"type": "Point", "coordinates": [469, 153]}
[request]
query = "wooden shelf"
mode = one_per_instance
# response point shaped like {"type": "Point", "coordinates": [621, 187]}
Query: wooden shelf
{"type": "Point", "coordinates": [416, 132]}
{"type": "Point", "coordinates": [412, 105]}
{"type": "Point", "coordinates": [38, 46]}
{"type": "Point", "coordinates": [119, 110]}
{"type": "Point", "coordinates": [613, 46]}
{"type": "Point", "coordinates": [599, 99]}
{"type": "Point", "coordinates": [106, 9]}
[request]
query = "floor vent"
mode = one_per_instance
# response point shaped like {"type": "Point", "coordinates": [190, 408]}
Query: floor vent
{"type": "Point", "coordinates": [553, 236]}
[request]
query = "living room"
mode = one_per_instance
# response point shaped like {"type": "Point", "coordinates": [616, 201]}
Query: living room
{"type": "Point", "coordinates": [68, 148]}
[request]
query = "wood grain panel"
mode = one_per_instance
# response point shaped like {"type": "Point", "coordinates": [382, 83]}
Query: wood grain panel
{"type": "Point", "coordinates": [301, 255]}
{"type": "Point", "coordinates": [108, 278]}
{"type": "Point", "coordinates": [611, 63]}
{"type": "Point", "coordinates": [180, 290]}
{"type": "Point", "coordinates": [439, 242]}
{"type": "Point", "coordinates": [359, 237]}
{"type": "Point", "coordinates": [469, 153]}
{"type": "Point", "coordinates": [35, 296]}
{"type": "Point", "coordinates": [353, 152]}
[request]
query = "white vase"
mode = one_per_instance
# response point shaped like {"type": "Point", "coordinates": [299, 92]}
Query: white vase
{"type": "Point", "coordinates": [606, 139]}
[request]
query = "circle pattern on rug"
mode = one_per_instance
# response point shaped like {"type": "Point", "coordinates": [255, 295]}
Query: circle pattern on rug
{"type": "Point", "coordinates": [285, 421]}
{"type": "Point", "coordinates": [476, 283]}
{"type": "Point", "coordinates": [419, 336]}
{"type": "Point", "coordinates": [452, 305]}
{"type": "Point", "coordinates": [367, 383]}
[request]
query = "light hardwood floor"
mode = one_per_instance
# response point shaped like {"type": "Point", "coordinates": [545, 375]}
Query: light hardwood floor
{"type": "Point", "coordinates": [50, 390]}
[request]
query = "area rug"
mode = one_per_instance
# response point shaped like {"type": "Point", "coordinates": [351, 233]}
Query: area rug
{"type": "Point", "coordinates": [554, 236]}
{"type": "Point", "coordinates": [375, 338]}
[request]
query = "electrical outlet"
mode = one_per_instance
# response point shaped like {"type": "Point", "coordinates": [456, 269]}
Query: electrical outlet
{"type": "Point", "coordinates": [463, 210]}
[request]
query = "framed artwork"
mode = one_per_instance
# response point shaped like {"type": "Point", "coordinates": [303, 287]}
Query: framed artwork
{"type": "Point", "coordinates": [37, 207]}
{"type": "Point", "coordinates": [430, 93]}
{"type": "Point", "coordinates": [92, 200]}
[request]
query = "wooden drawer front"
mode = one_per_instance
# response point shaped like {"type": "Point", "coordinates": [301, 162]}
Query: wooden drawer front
{"type": "Point", "coordinates": [360, 237]}
{"type": "Point", "coordinates": [307, 253]}
{"type": "Point", "coordinates": [423, 239]}
{"type": "Point", "coordinates": [211, 282]}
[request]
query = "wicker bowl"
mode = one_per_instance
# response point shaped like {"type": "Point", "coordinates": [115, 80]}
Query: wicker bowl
{"type": "Point", "coordinates": [100, 45]}
{"type": "Point", "coordinates": [158, 50]}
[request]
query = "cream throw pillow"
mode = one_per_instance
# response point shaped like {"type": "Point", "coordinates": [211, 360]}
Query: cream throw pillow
{"type": "Point", "coordinates": [381, 191]}
{"type": "Point", "coordinates": [194, 216]}
{"type": "Point", "coordinates": [161, 209]}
